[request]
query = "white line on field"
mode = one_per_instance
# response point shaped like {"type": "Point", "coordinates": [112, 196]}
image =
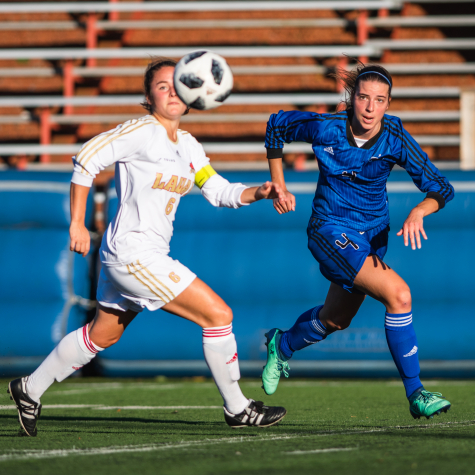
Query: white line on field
{"type": "Point", "coordinates": [320, 451]}
{"type": "Point", "coordinates": [42, 454]}
{"type": "Point", "coordinates": [100, 407]}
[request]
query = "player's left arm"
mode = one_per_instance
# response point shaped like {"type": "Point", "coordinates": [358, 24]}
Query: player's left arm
{"type": "Point", "coordinates": [268, 191]}
{"type": "Point", "coordinates": [221, 193]}
{"type": "Point", "coordinates": [413, 226]}
{"type": "Point", "coordinates": [429, 180]}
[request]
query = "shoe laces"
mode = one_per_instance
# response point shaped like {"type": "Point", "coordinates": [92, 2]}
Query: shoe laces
{"type": "Point", "coordinates": [259, 407]}
{"type": "Point", "coordinates": [30, 409]}
{"type": "Point", "coordinates": [427, 396]}
{"type": "Point", "coordinates": [282, 367]}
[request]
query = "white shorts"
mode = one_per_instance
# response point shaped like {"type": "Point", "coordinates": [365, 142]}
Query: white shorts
{"type": "Point", "coordinates": [138, 285]}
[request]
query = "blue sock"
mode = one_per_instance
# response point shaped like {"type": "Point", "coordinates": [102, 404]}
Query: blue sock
{"type": "Point", "coordinates": [307, 330]}
{"type": "Point", "coordinates": [402, 342]}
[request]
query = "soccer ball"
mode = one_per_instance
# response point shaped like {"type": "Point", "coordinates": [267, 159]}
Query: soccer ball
{"type": "Point", "coordinates": [203, 80]}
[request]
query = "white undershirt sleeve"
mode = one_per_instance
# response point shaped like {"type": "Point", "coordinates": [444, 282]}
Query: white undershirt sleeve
{"type": "Point", "coordinates": [219, 192]}
{"type": "Point", "coordinates": [80, 179]}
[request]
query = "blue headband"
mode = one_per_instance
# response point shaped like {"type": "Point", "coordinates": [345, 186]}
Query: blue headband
{"type": "Point", "coordinates": [375, 72]}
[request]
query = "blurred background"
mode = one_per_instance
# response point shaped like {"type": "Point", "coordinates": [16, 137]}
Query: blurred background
{"type": "Point", "coordinates": [71, 70]}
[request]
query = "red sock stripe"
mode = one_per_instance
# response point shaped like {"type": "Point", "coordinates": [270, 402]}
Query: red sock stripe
{"type": "Point", "coordinates": [87, 341]}
{"type": "Point", "coordinates": [217, 331]}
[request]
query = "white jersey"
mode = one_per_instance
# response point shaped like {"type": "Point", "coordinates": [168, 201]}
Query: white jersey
{"type": "Point", "coordinates": [152, 174]}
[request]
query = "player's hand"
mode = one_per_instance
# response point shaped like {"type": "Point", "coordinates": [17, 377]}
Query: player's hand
{"type": "Point", "coordinates": [80, 239]}
{"type": "Point", "coordinates": [413, 228]}
{"type": "Point", "coordinates": [270, 191]}
{"type": "Point", "coordinates": [285, 206]}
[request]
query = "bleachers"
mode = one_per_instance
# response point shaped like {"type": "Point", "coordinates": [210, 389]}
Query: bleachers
{"type": "Point", "coordinates": [82, 63]}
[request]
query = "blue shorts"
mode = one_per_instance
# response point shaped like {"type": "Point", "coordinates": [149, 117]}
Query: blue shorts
{"type": "Point", "coordinates": [341, 251]}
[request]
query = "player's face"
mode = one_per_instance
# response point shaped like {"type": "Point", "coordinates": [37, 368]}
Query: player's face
{"type": "Point", "coordinates": [163, 96]}
{"type": "Point", "coordinates": [370, 102]}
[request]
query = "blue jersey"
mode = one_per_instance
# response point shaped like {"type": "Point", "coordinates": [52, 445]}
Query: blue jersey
{"type": "Point", "coordinates": [351, 187]}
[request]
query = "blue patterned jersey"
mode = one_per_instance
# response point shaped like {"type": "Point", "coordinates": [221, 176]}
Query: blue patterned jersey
{"type": "Point", "coordinates": [352, 183]}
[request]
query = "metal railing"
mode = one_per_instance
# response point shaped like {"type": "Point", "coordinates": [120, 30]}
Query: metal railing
{"type": "Point", "coordinates": [200, 118]}
{"type": "Point", "coordinates": [48, 120]}
{"type": "Point", "coordinates": [252, 69]}
{"type": "Point", "coordinates": [197, 6]}
{"type": "Point", "coordinates": [234, 99]}
{"type": "Point", "coordinates": [248, 23]}
{"type": "Point", "coordinates": [221, 148]}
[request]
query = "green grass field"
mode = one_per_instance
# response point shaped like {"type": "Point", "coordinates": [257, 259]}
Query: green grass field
{"type": "Point", "coordinates": [103, 426]}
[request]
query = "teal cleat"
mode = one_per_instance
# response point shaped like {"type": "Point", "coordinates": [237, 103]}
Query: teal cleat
{"type": "Point", "coordinates": [275, 365]}
{"type": "Point", "coordinates": [425, 403]}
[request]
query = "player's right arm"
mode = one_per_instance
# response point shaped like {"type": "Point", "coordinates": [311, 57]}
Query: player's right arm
{"type": "Point", "coordinates": [125, 142]}
{"type": "Point", "coordinates": [78, 233]}
{"type": "Point", "coordinates": [287, 127]}
{"type": "Point", "coordinates": [277, 176]}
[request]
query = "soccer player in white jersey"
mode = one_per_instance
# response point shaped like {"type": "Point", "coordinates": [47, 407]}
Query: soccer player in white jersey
{"type": "Point", "coordinates": [155, 165]}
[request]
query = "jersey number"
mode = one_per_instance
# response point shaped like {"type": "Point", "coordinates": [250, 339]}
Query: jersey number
{"type": "Point", "coordinates": [174, 277]}
{"type": "Point", "coordinates": [170, 204]}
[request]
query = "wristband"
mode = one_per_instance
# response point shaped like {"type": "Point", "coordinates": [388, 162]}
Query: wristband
{"type": "Point", "coordinates": [437, 197]}
{"type": "Point", "coordinates": [275, 153]}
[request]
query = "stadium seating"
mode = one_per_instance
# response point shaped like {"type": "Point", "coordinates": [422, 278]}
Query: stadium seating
{"type": "Point", "coordinates": [258, 262]}
{"type": "Point", "coordinates": [428, 51]}
{"type": "Point", "coordinates": [44, 287]}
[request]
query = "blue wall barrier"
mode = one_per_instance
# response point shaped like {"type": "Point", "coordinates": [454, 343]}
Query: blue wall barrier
{"type": "Point", "coordinates": [42, 282]}
{"type": "Point", "coordinates": [258, 262]}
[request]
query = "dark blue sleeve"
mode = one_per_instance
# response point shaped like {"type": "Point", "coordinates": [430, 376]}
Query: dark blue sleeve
{"type": "Point", "coordinates": [423, 172]}
{"type": "Point", "coordinates": [292, 126]}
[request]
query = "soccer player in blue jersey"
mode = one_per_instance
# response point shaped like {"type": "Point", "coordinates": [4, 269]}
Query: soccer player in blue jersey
{"type": "Point", "coordinates": [348, 230]}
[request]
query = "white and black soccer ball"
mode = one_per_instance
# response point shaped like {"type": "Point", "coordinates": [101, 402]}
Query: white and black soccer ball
{"type": "Point", "coordinates": [203, 80]}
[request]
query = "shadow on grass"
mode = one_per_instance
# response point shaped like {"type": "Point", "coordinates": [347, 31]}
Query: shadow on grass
{"type": "Point", "coordinates": [115, 419]}
{"type": "Point", "coordinates": [115, 425]}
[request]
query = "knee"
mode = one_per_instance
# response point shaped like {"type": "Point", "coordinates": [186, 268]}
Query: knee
{"type": "Point", "coordinates": [103, 340]}
{"type": "Point", "coordinates": [401, 301]}
{"type": "Point", "coordinates": [337, 324]}
{"type": "Point", "coordinates": [336, 318]}
{"type": "Point", "coordinates": [220, 316]}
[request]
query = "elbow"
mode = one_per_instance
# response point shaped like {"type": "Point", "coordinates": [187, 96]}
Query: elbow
{"type": "Point", "coordinates": [440, 198]}
{"type": "Point", "coordinates": [452, 194]}
{"type": "Point", "coordinates": [448, 196]}
{"type": "Point", "coordinates": [213, 200]}
{"type": "Point", "coordinates": [214, 203]}
{"type": "Point", "coordinates": [271, 120]}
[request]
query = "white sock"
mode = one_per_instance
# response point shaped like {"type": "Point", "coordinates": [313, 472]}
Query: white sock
{"type": "Point", "coordinates": [72, 353]}
{"type": "Point", "coordinates": [220, 350]}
